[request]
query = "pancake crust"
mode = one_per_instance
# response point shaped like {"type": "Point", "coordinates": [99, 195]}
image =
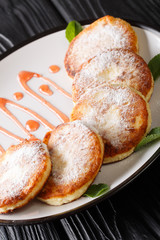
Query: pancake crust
{"type": "Point", "coordinates": [115, 66]}
{"type": "Point", "coordinates": [24, 169]}
{"type": "Point", "coordinates": [120, 115]}
{"type": "Point", "coordinates": [105, 33]}
{"type": "Point", "coordinates": [76, 153]}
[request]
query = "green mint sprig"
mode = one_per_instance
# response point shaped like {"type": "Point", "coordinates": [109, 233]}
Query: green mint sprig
{"type": "Point", "coordinates": [73, 29]}
{"type": "Point", "coordinates": [154, 134]}
{"type": "Point", "coordinates": [154, 66]}
{"type": "Point", "coordinates": [96, 190]}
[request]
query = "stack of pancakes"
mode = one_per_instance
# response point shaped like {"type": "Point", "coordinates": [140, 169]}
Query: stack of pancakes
{"type": "Point", "coordinates": [111, 86]}
{"type": "Point", "coordinates": [111, 89]}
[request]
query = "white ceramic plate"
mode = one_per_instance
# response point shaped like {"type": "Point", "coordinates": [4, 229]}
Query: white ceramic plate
{"type": "Point", "coordinates": [37, 56]}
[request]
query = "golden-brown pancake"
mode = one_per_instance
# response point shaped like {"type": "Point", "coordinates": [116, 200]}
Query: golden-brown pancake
{"type": "Point", "coordinates": [24, 169]}
{"type": "Point", "coordinates": [115, 66]}
{"type": "Point", "coordinates": [76, 153]}
{"type": "Point", "coordinates": [120, 115]}
{"type": "Point", "coordinates": [105, 33]}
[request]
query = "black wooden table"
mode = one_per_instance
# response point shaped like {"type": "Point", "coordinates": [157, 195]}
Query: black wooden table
{"type": "Point", "coordinates": [133, 212]}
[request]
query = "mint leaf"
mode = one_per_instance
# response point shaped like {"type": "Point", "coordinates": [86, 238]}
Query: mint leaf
{"type": "Point", "coordinates": [96, 190]}
{"type": "Point", "coordinates": [154, 66]}
{"type": "Point", "coordinates": [73, 29]}
{"type": "Point", "coordinates": [152, 135]}
{"type": "Point", "coordinates": [154, 131]}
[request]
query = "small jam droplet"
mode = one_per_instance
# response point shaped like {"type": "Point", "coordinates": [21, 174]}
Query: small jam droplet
{"type": "Point", "coordinates": [32, 125]}
{"type": "Point", "coordinates": [18, 96]}
{"type": "Point", "coordinates": [45, 90]}
{"type": "Point", "coordinates": [54, 69]}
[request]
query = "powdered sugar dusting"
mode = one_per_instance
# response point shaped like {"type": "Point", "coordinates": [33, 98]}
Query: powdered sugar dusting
{"type": "Point", "coordinates": [102, 37]}
{"type": "Point", "coordinates": [109, 111]}
{"type": "Point", "coordinates": [18, 168]}
{"type": "Point", "coordinates": [71, 153]}
{"type": "Point", "coordinates": [116, 66]}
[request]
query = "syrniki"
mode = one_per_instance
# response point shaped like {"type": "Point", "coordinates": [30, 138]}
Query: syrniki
{"type": "Point", "coordinates": [24, 168]}
{"type": "Point", "coordinates": [120, 115]}
{"type": "Point", "coordinates": [105, 33]}
{"type": "Point", "coordinates": [115, 66]}
{"type": "Point", "coordinates": [76, 153]}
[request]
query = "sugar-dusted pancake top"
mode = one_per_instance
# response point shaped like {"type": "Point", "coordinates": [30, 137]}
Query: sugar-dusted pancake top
{"type": "Point", "coordinates": [119, 114]}
{"type": "Point", "coordinates": [21, 169]}
{"type": "Point", "coordinates": [114, 66]}
{"type": "Point", "coordinates": [105, 33]}
{"type": "Point", "coordinates": [76, 153]}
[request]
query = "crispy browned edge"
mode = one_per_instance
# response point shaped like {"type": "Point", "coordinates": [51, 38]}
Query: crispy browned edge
{"type": "Point", "coordinates": [107, 19]}
{"type": "Point", "coordinates": [51, 191]}
{"type": "Point", "coordinates": [144, 129]}
{"type": "Point", "coordinates": [147, 78]}
{"type": "Point", "coordinates": [25, 196]}
{"type": "Point", "coordinates": [126, 150]}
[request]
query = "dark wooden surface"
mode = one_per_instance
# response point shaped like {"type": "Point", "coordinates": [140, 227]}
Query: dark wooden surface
{"type": "Point", "coordinates": [134, 212]}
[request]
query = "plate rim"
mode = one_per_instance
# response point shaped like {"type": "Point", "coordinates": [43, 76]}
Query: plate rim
{"type": "Point", "coordinates": [122, 184]}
